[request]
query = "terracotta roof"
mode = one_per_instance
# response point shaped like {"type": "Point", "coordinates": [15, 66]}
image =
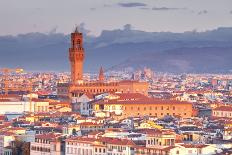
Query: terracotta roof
{"type": "Point", "coordinates": [156, 131]}
{"type": "Point", "coordinates": [223, 108]}
{"type": "Point", "coordinates": [117, 141]}
{"type": "Point", "coordinates": [7, 133]}
{"type": "Point", "coordinates": [9, 96]}
{"type": "Point", "coordinates": [90, 124]}
{"type": "Point", "coordinates": [39, 100]}
{"type": "Point", "coordinates": [2, 117]}
{"type": "Point", "coordinates": [142, 101]}
{"type": "Point", "coordinates": [49, 136]}
{"type": "Point", "coordinates": [89, 95]}
{"type": "Point", "coordinates": [5, 100]}
{"type": "Point", "coordinates": [194, 146]}
{"type": "Point", "coordinates": [129, 96]}
{"type": "Point", "coordinates": [113, 141]}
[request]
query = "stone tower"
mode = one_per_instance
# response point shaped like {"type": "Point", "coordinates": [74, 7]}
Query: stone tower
{"type": "Point", "coordinates": [76, 57]}
{"type": "Point", "coordinates": [101, 75]}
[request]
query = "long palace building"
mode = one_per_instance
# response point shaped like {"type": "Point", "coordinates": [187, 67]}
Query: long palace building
{"type": "Point", "coordinates": [76, 58]}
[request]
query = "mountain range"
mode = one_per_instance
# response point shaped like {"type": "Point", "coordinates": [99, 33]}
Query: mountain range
{"type": "Point", "coordinates": [187, 52]}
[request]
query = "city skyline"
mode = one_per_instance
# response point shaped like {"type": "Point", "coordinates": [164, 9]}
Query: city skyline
{"type": "Point", "coordinates": [107, 77]}
{"type": "Point", "coordinates": [152, 16]}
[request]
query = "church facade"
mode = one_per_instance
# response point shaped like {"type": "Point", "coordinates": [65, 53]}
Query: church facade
{"type": "Point", "coordinates": [78, 84]}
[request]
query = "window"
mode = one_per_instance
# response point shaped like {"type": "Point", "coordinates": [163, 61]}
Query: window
{"type": "Point", "coordinates": [162, 108]}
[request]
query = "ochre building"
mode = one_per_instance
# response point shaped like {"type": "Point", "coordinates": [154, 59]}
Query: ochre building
{"type": "Point", "coordinates": [133, 106]}
{"type": "Point", "coordinates": [76, 58]}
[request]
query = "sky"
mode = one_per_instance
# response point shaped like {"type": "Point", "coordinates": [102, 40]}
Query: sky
{"type": "Point", "coordinates": [24, 16]}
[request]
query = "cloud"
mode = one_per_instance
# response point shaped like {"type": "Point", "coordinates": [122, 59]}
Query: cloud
{"type": "Point", "coordinates": [107, 5]}
{"type": "Point", "coordinates": [92, 9]}
{"type": "Point", "coordinates": [145, 8]}
{"type": "Point", "coordinates": [202, 12]}
{"type": "Point", "coordinates": [231, 12]}
{"type": "Point", "coordinates": [53, 30]}
{"type": "Point", "coordinates": [81, 28]}
{"type": "Point", "coordinates": [132, 4]}
{"type": "Point", "coordinates": [166, 8]}
{"type": "Point", "coordinates": [127, 27]}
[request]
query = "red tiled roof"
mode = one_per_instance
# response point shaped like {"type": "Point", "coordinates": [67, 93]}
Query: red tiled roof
{"type": "Point", "coordinates": [38, 100]}
{"type": "Point", "coordinates": [117, 141]}
{"type": "Point", "coordinates": [223, 108]}
{"type": "Point", "coordinates": [5, 100]}
{"type": "Point", "coordinates": [128, 96]}
{"type": "Point", "coordinates": [194, 146]}
{"type": "Point", "coordinates": [89, 95]}
{"type": "Point", "coordinates": [142, 101]}
{"type": "Point", "coordinates": [49, 136]}
{"type": "Point", "coordinates": [90, 124]}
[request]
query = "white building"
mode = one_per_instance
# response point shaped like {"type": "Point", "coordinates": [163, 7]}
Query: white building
{"type": "Point", "coordinates": [20, 106]}
{"type": "Point", "coordinates": [189, 149]}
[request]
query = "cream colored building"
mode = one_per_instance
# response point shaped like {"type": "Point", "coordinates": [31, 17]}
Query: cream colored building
{"type": "Point", "coordinates": [46, 144]}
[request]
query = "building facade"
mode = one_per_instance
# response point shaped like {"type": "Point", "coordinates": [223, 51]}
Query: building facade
{"type": "Point", "coordinates": [222, 111]}
{"type": "Point", "coordinates": [122, 109]}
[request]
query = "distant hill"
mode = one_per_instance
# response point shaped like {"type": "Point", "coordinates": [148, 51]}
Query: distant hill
{"type": "Point", "coordinates": [209, 51]}
{"type": "Point", "coordinates": [184, 60]}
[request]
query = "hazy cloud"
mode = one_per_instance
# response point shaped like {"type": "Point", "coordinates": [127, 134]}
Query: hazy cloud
{"type": "Point", "coordinates": [53, 30]}
{"type": "Point", "coordinates": [127, 27]}
{"type": "Point", "coordinates": [82, 28]}
{"type": "Point", "coordinates": [107, 5]}
{"type": "Point", "coordinates": [202, 12]}
{"type": "Point", "coordinates": [166, 8]}
{"type": "Point", "coordinates": [92, 9]}
{"type": "Point", "coordinates": [132, 4]}
{"type": "Point", "coordinates": [145, 8]}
